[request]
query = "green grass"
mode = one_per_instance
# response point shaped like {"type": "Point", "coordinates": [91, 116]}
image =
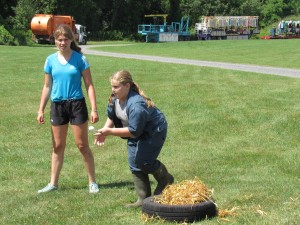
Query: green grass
{"type": "Point", "coordinates": [277, 53]}
{"type": "Point", "coordinates": [237, 131]}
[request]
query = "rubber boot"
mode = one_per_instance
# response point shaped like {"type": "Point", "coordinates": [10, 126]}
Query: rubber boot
{"type": "Point", "coordinates": [142, 187]}
{"type": "Point", "coordinates": [163, 179]}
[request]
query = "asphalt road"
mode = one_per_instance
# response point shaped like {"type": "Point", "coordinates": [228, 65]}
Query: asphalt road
{"type": "Point", "coordinates": [230, 66]}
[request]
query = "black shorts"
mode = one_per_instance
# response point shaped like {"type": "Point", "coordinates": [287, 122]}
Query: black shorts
{"type": "Point", "coordinates": [69, 111]}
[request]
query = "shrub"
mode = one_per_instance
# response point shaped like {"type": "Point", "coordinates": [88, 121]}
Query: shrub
{"type": "Point", "coordinates": [106, 35]}
{"type": "Point", "coordinates": [5, 37]}
{"type": "Point", "coordinates": [23, 37]}
{"type": "Point", "coordinates": [135, 37]}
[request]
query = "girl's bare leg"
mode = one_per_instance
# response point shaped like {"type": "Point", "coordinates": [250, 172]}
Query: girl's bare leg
{"type": "Point", "coordinates": [81, 139]}
{"type": "Point", "coordinates": [59, 136]}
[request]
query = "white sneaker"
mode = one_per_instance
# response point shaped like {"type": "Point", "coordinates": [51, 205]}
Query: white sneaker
{"type": "Point", "coordinates": [94, 188]}
{"type": "Point", "coordinates": [48, 188]}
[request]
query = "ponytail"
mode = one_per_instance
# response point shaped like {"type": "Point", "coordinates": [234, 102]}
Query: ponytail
{"type": "Point", "coordinates": [75, 47]}
{"type": "Point", "coordinates": [135, 87]}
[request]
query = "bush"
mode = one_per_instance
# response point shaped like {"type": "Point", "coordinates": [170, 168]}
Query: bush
{"type": "Point", "coordinates": [23, 37]}
{"type": "Point", "coordinates": [5, 37]}
{"type": "Point", "coordinates": [106, 35]}
{"type": "Point", "coordinates": [135, 37]}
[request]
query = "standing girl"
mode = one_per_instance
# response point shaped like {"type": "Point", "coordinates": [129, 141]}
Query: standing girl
{"type": "Point", "coordinates": [63, 72]}
{"type": "Point", "coordinates": [132, 115]}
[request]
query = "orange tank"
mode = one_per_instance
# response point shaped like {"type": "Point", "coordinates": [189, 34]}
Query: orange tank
{"type": "Point", "coordinates": [44, 25]}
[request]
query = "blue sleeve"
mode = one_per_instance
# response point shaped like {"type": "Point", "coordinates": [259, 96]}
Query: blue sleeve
{"type": "Point", "coordinates": [85, 64]}
{"type": "Point", "coordinates": [110, 112]}
{"type": "Point", "coordinates": [48, 66]}
{"type": "Point", "coordinates": [138, 115]}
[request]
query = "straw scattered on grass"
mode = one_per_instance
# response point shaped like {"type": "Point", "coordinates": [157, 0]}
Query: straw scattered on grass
{"type": "Point", "coordinates": [147, 218]}
{"type": "Point", "coordinates": [228, 212]}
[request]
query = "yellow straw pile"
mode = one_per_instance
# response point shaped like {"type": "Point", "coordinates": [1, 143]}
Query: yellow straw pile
{"type": "Point", "coordinates": [184, 193]}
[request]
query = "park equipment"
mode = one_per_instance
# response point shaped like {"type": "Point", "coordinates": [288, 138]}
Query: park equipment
{"type": "Point", "coordinates": [176, 31]}
{"type": "Point", "coordinates": [285, 30]}
{"type": "Point", "coordinates": [44, 25]}
{"type": "Point", "coordinates": [227, 27]}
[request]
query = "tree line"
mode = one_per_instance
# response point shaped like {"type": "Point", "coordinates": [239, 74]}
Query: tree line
{"type": "Point", "coordinates": [122, 17]}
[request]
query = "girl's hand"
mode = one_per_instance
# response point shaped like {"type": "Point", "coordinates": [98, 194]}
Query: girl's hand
{"type": "Point", "coordinates": [94, 117]}
{"type": "Point", "coordinates": [40, 118]}
{"type": "Point", "coordinates": [99, 140]}
{"type": "Point", "coordinates": [101, 135]}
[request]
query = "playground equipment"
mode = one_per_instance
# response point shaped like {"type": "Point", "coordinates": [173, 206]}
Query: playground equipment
{"type": "Point", "coordinates": [177, 31]}
{"type": "Point", "coordinates": [285, 30]}
{"type": "Point", "coordinates": [227, 27]}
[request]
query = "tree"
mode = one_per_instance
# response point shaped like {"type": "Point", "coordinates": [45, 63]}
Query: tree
{"type": "Point", "coordinates": [85, 12]}
{"type": "Point", "coordinates": [272, 12]}
{"type": "Point", "coordinates": [6, 8]}
{"type": "Point", "coordinates": [291, 7]}
{"type": "Point", "coordinates": [174, 10]}
{"type": "Point", "coordinates": [251, 8]}
{"type": "Point", "coordinates": [26, 9]}
{"type": "Point", "coordinates": [123, 16]}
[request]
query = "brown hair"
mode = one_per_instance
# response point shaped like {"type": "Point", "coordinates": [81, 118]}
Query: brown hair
{"type": "Point", "coordinates": [124, 77]}
{"type": "Point", "coordinates": [65, 30]}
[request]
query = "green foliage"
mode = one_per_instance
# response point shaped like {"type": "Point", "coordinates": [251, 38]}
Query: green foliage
{"type": "Point", "coordinates": [251, 7]}
{"type": "Point", "coordinates": [109, 16]}
{"type": "Point", "coordinates": [5, 37]}
{"type": "Point", "coordinates": [6, 9]}
{"type": "Point", "coordinates": [24, 12]}
{"type": "Point", "coordinates": [23, 37]}
{"type": "Point", "coordinates": [2, 21]}
{"type": "Point", "coordinates": [106, 35]}
{"type": "Point", "coordinates": [26, 9]}
{"type": "Point", "coordinates": [294, 6]}
{"type": "Point", "coordinates": [16, 37]}
{"type": "Point", "coordinates": [135, 37]}
{"type": "Point", "coordinates": [85, 12]}
{"type": "Point", "coordinates": [45, 6]}
{"type": "Point", "coordinates": [272, 11]}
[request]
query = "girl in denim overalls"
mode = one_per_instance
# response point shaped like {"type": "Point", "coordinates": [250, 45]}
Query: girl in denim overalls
{"type": "Point", "coordinates": [133, 116]}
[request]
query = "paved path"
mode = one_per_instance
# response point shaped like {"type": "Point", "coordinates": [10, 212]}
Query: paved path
{"type": "Point", "coordinates": [231, 66]}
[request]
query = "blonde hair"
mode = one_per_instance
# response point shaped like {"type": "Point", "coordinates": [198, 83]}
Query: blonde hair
{"type": "Point", "coordinates": [66, 31]}
{"type": "Point", "coordinates": [124, 77]}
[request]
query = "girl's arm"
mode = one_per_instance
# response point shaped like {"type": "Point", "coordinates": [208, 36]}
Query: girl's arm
{"type": "Point", "coordinates": [109, 129]}
{"type": "Point", "coordinates": [44, 98]}
{"type": "Point", "coordinates": [87, 78]}
{"type": "Point", "coordinates": [109, 123]}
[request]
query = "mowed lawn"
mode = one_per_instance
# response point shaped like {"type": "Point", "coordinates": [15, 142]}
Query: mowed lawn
{"type": "Point", "coordinates": [238, 132]}
{"type": "Point", "coordinates": [277, 53]}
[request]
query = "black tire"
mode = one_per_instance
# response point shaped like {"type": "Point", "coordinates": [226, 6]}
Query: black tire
{"type": "Point", "coordinates": [83, 41]}
{"type": "Point", "coordinates": [180, 213]}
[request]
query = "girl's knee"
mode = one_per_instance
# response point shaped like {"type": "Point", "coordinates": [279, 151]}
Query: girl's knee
{"type": "Point", "coordinates": [59, 148]}
{"type": "Point", "coordinates": [84, 150]}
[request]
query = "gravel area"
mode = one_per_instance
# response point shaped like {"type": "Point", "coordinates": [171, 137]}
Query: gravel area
{"type": "Point", "coordinates": [230, 66]}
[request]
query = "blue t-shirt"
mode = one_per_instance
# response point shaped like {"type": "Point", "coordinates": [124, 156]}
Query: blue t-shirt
{"type": "Point", "coordinates": [66, 79]}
